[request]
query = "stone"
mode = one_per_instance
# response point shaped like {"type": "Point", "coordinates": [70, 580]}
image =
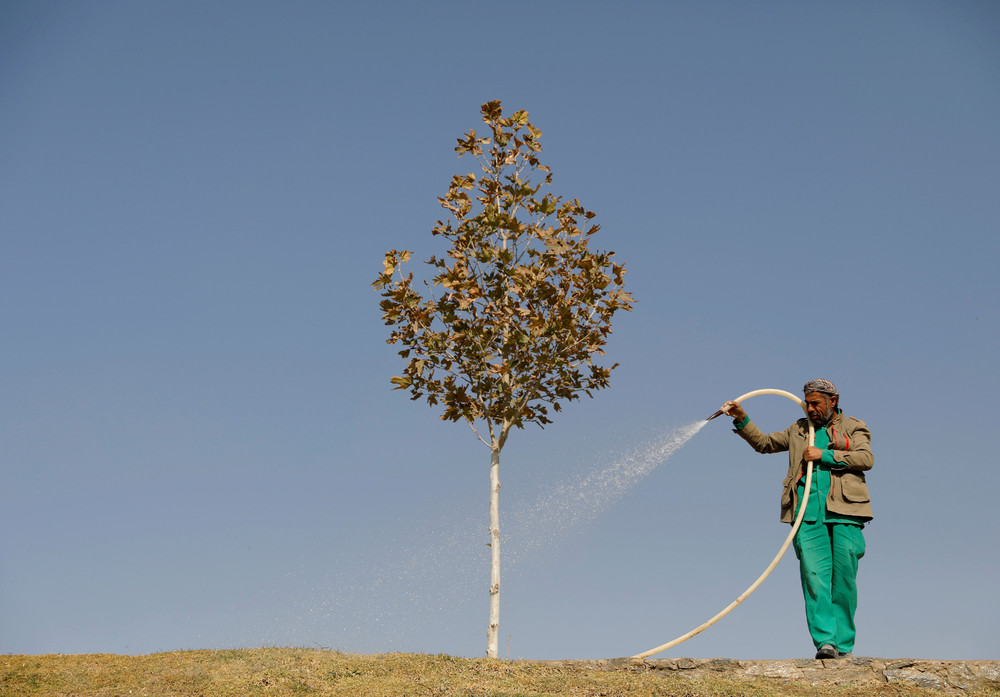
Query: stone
{"type": "Point", "coordinates": [947, 677]}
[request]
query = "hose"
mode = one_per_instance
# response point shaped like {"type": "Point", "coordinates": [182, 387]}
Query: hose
{"type": "Point", "coordinates": [781, 552]}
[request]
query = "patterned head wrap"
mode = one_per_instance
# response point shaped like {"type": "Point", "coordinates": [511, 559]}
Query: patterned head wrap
{"type": "Point", "coordinates": [820, 385]}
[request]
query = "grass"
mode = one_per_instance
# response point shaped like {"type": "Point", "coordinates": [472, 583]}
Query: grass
{"type": "Point", "coordinates": [274, 672]}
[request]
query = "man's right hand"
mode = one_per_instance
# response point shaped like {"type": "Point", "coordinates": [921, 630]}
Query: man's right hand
{"type": "Point", "coordinates": [734, 410]}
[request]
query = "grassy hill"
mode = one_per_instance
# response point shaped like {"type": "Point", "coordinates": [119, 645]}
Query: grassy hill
{"type": "Point", "coordinates": [275, 672]}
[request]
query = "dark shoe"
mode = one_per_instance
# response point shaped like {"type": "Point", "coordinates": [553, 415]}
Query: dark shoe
{"type": "Point", "coordinates": [826, 651]}
{"type": "Point", "coordinates": [845, 655]}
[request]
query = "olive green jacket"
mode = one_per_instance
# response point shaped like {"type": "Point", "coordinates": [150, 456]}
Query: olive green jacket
{"type": "Point", "coordinates": [850, 441]}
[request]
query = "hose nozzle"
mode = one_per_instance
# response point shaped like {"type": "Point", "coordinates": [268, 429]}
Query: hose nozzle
{"type": "Point", "coordinates": [718, 413]}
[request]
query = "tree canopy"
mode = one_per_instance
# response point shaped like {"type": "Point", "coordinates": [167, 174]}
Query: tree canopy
{"type": "Point", "coordinates": [514, 314]}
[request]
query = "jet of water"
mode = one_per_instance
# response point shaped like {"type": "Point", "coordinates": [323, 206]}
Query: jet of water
{"type": "Point", "coordinates": [576, 503]}
{"type": "Point", "coordinates": [371, 605]}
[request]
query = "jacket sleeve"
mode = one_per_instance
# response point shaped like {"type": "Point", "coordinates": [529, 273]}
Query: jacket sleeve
{"type": "Point", "coordinates": [853, 449]}
{"type": "Point", "coordinates": [765, 443]}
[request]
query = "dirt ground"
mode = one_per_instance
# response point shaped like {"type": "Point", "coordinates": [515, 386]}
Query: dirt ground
{"type": "Point", "coordinates": [948, 677]}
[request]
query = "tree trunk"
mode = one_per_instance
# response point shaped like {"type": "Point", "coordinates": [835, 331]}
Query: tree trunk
{"type": "Point", "coordinates": [493, 631]}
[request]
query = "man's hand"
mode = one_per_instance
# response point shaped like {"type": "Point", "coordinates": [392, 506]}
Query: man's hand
{"type": "Point", "coordinates": [734, 410]}
{"type": "Point", "coordinates": [812, 453]}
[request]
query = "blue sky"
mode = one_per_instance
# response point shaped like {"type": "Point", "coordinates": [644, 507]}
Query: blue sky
{"type": "Point", "coordinates": [201, 448]}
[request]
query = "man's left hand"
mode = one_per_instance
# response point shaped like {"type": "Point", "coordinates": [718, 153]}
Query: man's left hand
{"type": "Point", "coordinates": [812, 454]}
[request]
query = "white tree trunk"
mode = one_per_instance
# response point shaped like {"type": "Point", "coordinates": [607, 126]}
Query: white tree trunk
{"type": "Point", "coordinates": [492, 633]}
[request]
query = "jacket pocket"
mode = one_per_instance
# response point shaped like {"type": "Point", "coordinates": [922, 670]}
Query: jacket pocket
{"type": "Point", "coordinates": [786, 493]}
{"type": "Point", "coordinates": [854, 487]}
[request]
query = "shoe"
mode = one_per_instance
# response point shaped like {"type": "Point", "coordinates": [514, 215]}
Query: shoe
{"type": "Point", "coordinates": [826, 651]}
{"type": "Point", "coordinates": [845, 655]}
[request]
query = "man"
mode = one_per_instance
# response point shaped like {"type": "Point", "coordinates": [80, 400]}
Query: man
{"type": "Point", "coordinates": [829, 542]}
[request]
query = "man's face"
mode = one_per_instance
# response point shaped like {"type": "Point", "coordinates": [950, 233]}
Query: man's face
{"type": "Point", "coordinates": [820, 407]}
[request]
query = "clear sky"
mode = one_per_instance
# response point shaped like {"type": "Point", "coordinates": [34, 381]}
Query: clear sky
{"type": "Point", "coordinates": [200, 445]}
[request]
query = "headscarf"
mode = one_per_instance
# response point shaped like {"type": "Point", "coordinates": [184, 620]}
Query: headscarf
{"type": "Point", "coordinates": [820, 385]}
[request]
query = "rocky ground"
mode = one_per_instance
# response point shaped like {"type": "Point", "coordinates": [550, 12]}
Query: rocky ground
{"type": "Point", "coordinates": [948, 677]}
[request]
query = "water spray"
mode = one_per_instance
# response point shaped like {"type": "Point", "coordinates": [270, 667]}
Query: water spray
{"type": "Point", "coordinates": [781, 552]}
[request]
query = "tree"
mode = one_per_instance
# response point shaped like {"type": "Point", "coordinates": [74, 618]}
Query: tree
{"type": "Point", "coordinates": [515, 313]}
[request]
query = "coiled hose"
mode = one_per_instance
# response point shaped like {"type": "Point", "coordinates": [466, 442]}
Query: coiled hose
{"type": "Point", "coordinates": [777, 558]}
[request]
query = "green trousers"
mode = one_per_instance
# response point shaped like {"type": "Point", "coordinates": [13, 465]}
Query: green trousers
{"type": "Point", "coordinates": [828, 566]}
